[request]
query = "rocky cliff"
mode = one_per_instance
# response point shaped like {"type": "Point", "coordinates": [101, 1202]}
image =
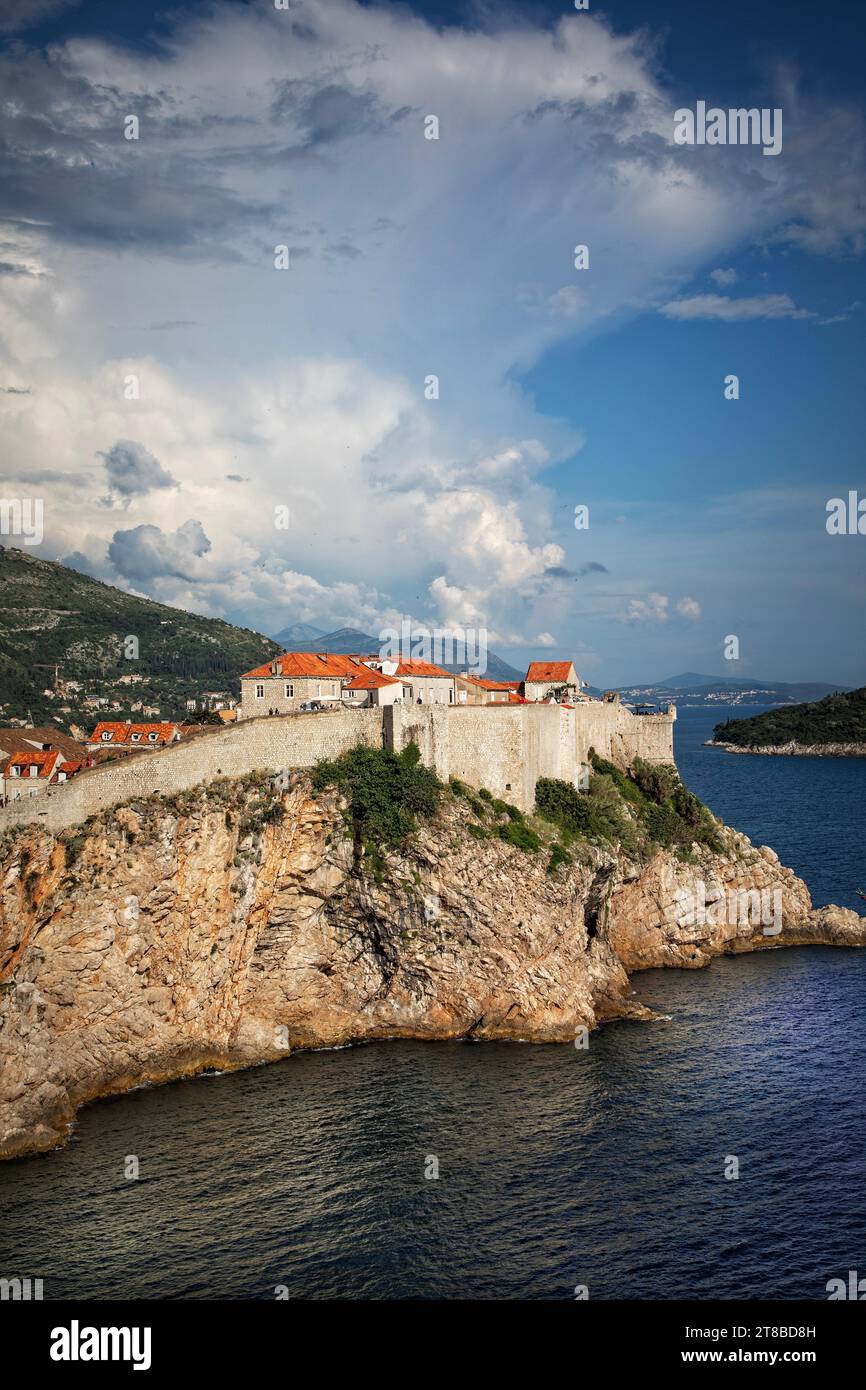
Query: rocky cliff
{"type": "Point", "coordinates": [235, 923]}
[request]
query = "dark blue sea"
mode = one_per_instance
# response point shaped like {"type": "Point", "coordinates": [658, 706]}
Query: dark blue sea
{"type": "Point", "coordinates": [556, 1167]}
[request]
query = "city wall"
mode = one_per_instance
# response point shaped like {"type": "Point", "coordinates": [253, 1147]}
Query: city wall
{"type": "Point", "coordinates": [506, 748]}
{"type": "Point", "coordinates": [292, 740]}
{"type": "Point", "coordinates": [503, 747]}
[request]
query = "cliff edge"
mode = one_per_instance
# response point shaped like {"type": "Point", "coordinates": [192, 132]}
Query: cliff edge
{"type": "Point", "coordinates": [226, 926]}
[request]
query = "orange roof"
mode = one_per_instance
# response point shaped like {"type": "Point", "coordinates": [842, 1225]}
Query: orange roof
{"type": "Point", "coordinates": [368, 679]}
{"type": "Point", "coordinates": [122, 733]}
{"type": "Point", "coordinates": [44, 761]}
{"type": "Point", "coordinates": [491, 685]}
{"type": "Point", "coordinates": [414, 667]}
{"type": "Point", "coordinates": [553, 671]}
{"type": "Point", "coordinates": [305, 664]}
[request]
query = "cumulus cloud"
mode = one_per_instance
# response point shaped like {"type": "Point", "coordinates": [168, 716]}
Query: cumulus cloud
{"type": "Point", "coordinates": [652, 609]}
{"type": "Point", "coordinates": [133, 471]}
{"type": "Point", "coordinates": [724, 277]}
{"type": "Point", "coordinates": [321, 148]}
{"type": "Point", "coordinates": [688, 607]}
{"type": "Point", "coordinates": [718, 306]}
{"type": "Point", "coordinates": [146, 553]}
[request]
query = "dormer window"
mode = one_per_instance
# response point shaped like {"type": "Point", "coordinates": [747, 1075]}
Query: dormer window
{"type": "Point", "coordinates": [153, 737]}
{"type": "Point", "coordinates": [106, 737]}
{"type": "Point", "coordinates": [135, 737]}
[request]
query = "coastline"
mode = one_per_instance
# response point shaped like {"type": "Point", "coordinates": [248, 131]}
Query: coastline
{"type": "Point", "coordinates": [795, 750]}
{"type": "Point", "coordinates": [173, 937]}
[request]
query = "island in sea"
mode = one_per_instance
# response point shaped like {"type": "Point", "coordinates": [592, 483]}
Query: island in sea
{"type": "Point", "coordinates": [832, 727]}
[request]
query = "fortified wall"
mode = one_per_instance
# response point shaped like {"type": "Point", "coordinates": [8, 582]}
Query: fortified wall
{"type": "Point", "coordinates": [508, 747]}
{"type": "Point", "coordinates": [503, 747]}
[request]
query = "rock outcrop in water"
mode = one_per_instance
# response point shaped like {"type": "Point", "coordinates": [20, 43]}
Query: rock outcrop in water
{"type": "Point", "coordinates": [228, 927]}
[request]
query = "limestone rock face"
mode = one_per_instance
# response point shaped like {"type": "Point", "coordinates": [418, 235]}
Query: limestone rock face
{"type": "Point", "coordinates": [164, 939]}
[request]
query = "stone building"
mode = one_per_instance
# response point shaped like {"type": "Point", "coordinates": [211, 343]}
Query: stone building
{"type": "Point", "coordinates": [474, 690]}
{"type": "Point", "coordinates": [552, 678]}
{"type": "Point", "coordinates": [425, 684]}
{"type": "Point", "coordinates": [297, 679]}
{"type": "Point", "coordinates": [370, 688]}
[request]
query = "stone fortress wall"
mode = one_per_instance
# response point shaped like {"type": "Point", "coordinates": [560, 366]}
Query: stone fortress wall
{"type": "Point", "coordinates": [505, 748]}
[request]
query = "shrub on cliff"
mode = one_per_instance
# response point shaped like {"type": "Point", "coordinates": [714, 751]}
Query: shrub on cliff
{"type": "Point", "coordinates": [658, 781]}
{"type": "Point", "coordinates": [386, 791]}
{"type": "Point", "coordinates": [663, 811]}
{"type": "Point", "coordinates": [597, 814]}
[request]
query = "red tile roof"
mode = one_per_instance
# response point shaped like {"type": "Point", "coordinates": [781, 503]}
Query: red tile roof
{"type": "Point", "coordinates": [367, 679]}
{"type": "Point", "coordinates": [305, 664]}
{"type": "Point", "coordinates": [491, 685]}
{"type": "Point", "coordinates": [122, 733]}
{"type": "Point", "coordinates": [45, 762]}
{"type": "Point", "coordinates": [414, 667]}
{"type": "Point", "coordinates": [549, 671]}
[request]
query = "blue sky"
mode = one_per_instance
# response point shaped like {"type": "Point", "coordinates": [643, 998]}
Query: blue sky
{"type": "Point", "coordinates": [153, 260]}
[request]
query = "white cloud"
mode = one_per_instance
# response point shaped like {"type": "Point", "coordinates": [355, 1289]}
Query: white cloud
{"type": "Point", "coordinates": [717, 306]}
{"type": "Point", "coordinates": [409, 257]}
{"type": "Point", "coordinates": [652, 609]}
{"type": "Point", "coordinates": [724, 277]}
{"type": "Point", "coordinates": [688, 607]}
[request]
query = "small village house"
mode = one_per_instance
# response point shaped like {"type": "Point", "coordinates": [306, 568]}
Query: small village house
{"type": "Point", "coordinates": [474, 690]}
{"type": "Point", "coordinates": [425, 683]}
{"type": "Point", "coordinates": [371, 687]}
{"type": "Point", "coordinates": [552, 679]}
{"type": "Point", "coordinates": [129, 737]}
{"type": "Point", "coordinates": [31, 760]}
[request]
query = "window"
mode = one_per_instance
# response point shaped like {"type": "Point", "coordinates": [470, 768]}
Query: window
{"type": "Point", "coordinates": [290, 690]}
{"type": "Point", "coordinates": [106, 738]}
{"type": "Point", "coordinates": [153, 737]}
{"type": "Point", "coordinates": [16, 770]}
{"type": "Point", "coordinates": [34, 770]}
{"type": "Point", "coordinates": [260, 692]}
{"type": "Point", "coordinates": [135, 737]}
{"type": "Point", "coordinates": [450, 696]}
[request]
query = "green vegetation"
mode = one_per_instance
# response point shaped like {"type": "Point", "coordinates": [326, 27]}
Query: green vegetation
{"type": "Point", "coordinates": [835, 719]}
{"type": "Point", "coordinates": [518, 833]}
{"type": "Point", "coordinates": [52, 615]}
{"type": "Point", "coordinates": [558, 856]}
{"type": "Point", "coordinates": [635, 812]}
{"type": "Point", "coordinates": [387, 793]}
